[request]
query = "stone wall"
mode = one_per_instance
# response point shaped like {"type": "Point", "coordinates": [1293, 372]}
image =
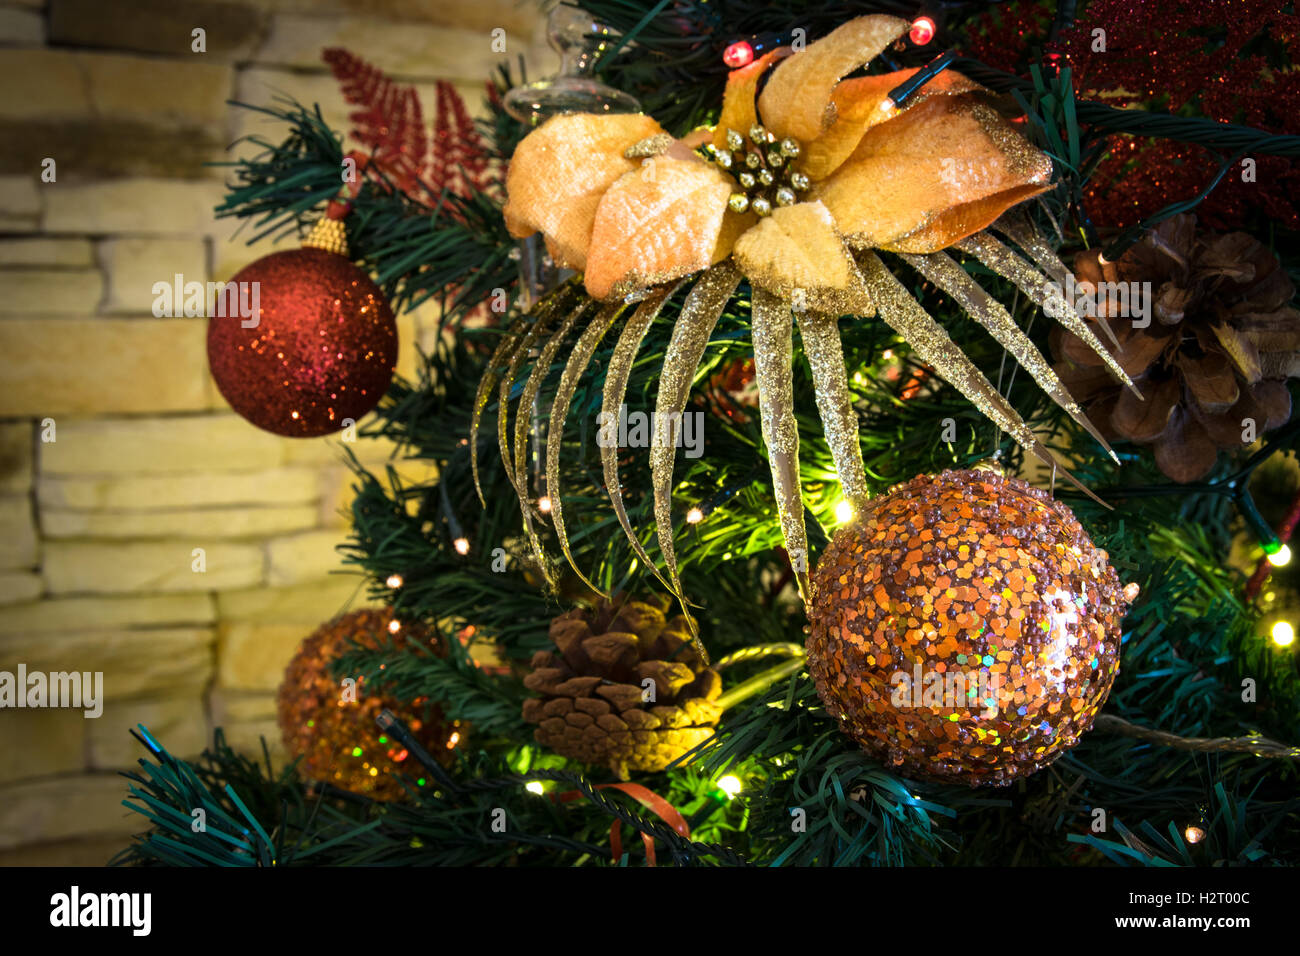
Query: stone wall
{"type": "Point", "coordinates": [118, 457]}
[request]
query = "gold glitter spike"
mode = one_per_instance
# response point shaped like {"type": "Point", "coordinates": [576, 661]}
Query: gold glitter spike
{"type": "Point", "coordinates": [1010, 266]}
{"type": "Point", "coordinates": [1016, 227]}
{"type": "Point", "coordinates": [906, 316]}
{"type": "Point", "coordinates": [773, 346]}
{"type": "Point", "coordinates": [328, 234]}
{"type": "Point", "coordinates": [699, 316]}
{"type": "Point", "coordinates": [821, 343]}
{"type": "Point", "coordinates": [505, 348]}
{"type": "Point", "coordinates": [940, 269]}
{"type": "Point", "coordinates": [523, 419]}
{"type": "Point", "coordinates": [579, 359]}
{"type": "Point", "coordinates": [543, 315]}
{"type": "Point", "coordinates": [616, 378]}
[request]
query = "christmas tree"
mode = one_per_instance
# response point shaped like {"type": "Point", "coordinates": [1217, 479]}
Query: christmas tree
{"type": "Point", "coordinates": [747, 537]}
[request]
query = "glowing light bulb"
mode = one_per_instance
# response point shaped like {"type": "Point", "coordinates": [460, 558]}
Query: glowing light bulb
{"type": "Point", "coordinates": [843, 512]}
{"type": "Point", "coordinates": [1194, 834]}
{"type": "Point", "coordinates": [694, 516]}
{"type": "Point", "coordinates": [544, 504]}
{"type": "Point", "coordinates": [730, 785]}
{"type": "Point", "coordinates": [461, 545]}
{"type": "Point", "coordinates": [453, 740]}
{"type": "Point", "coordinates": [1281, 557]}
{"type": "Point", "coordinates": [1283, 634]}
{"type": "Point", "coordinates": [738, 54]}
{"type": "Point", "coordinates": [533, 786]}
{"type": "Point", "coordinates": [394, 626]}
{"type": "Point", "coordinates": [394, 581]}
{"type": "Point", "coordinates": [922, 31]}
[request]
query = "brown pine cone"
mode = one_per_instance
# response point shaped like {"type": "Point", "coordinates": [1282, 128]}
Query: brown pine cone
{"type": "Point", "coordinates": [1222, 341]}
{"type": "Point", "coordinates": [592, 707]}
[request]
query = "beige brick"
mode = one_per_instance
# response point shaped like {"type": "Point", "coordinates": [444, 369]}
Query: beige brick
{"type": "Point", "coordinates": [94, 568]}
{"type": "Point", "coordinates": [132, 266]}
{"type": "Point", "coordinates": [308, 604]}
{"type": "Point", "coordinates": [51, 291]}
{"type": "Point", "coordinates": [102, 366]}
{"type": "Point", "coordinates": [195, 522]}
{"type": "Point", "coordinates": [276, 486]}
{"type": "Point", "coordinates": [15, 458]}
{"type": "Point", "coordinates": [157, 26]}
{"type": "Point", "coordinates": [18, 586]}
{"type": "Point", "coordinates": [18, 547]}
{"type": "Point", "coordinates": [57, 253]}
{"type": "Point", "coordinates": [20, 204]}
{"type": "Point", "coordinates": [254, 656]}
{"type": "Point", "coordinates": [247, 737]}
{"type": "Point", "coordinates": [303, 557]}
{"type": "Point", "coordinates": [107, 613]}
{"type": "Point", "coordinates": [138, 204]}
{"type": "Point", "coordinates": [40, 743]}
{"type": "Point", "coordinates": [147, 663]}
{"type": "Point", "coordinates": [21, 27]}
{"type": "Point", "coordinates": [179, 723]}
{"type": "Point", "coordinates": [204, 443]}
{"type": "Point", "coordinates": [232, 706]}
{"type": "Point", "coordinates": [48, 84]}
{"type": "Point", "coordinates": [58, 808]}
{"type": "Point", "coordinates": [403, 49]}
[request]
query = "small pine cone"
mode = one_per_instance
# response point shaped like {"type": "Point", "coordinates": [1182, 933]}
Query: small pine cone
{"type": "Point", "coordinates": [594, 705]}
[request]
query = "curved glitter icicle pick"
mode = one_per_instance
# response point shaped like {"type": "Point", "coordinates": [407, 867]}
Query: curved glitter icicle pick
{"type": "Point", "coordinates": [1018, 229]}
{"type": "Point", "coordinates": [700, 313]}
{"type": "Point", "coordinates": [545, 313]}
{"type": "Point", "coordinates": [616, 379]}
{"type": "Point", "coordinates": [1010, 266]}
{"type": "Point", "coordinates": [579, 359]}
{"type": "Point", "coordinates": [523, 420]}
{"type": "Point", "coordinates": [944, 272]}
{"type": "Point", "coordinates": [773, 344]}
{"type": "Point", "coordinates": [821, 343]}
{"type": "Point", "coordinates": [907, 317]}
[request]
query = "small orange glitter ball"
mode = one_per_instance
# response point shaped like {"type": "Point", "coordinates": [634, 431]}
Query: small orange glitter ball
{"type": "Point", "coordinates": [966, 628]}
{"type": "Point", "coordinates": [331, 725]}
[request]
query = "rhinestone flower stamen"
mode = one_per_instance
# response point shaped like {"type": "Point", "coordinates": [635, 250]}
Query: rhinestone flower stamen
{"type": "Point", "coordinates": [767, 177]}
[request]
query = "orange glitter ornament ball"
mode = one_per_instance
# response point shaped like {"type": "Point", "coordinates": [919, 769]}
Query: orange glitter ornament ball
{"type": "Point", "coordinates": [966, 628]}
{"type": "Point", "coordinates": [331, 726]}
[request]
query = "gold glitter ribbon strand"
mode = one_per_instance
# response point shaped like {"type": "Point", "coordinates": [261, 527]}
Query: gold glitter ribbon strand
{"type": "Point", "coordinates": [944, 272]}
{"type": "Point", "coordinates": [1010, 266]}
{"type": "Point", "coordinates": [523, 419]}
{"type": "Point", "coordinates": [491, 376]}
{"type": "Point", "coordinates": [579, 359]}
{"type": "Point", "coordinates": [544, 314]}
{"type": "Point", "coordinates": [1017, 227]}
{"type": "Point", "coordinates": [616, 379]}
{"type": "Point", "coordinates": [821, 343]}
{"type": "Point", "coordinates": [700, 313]}
{"type": "Point", "coordinates": [907, 317]}
{"type": "Point", "coordinates": [773, 371]}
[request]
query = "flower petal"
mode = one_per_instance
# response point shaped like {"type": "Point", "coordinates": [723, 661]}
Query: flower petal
{"type": "Point", "coordinates": [797, 98]}
{"type": "Point", "coordinates": [941, 171]}
{"type": "Point", "coordinates": [795, 254]}
{"type": "Point", "coordinates": [656, 224]}
{"type": "Point", "coordinates": [559, 172]}
{"type": "Point", "coordinates": [860, 104]}
{"type": "Point", "coordinates": [738, 110]}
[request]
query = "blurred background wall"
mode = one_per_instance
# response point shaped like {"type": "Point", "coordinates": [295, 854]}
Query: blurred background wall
{"type": "Point", "coordinates": [147, 463]}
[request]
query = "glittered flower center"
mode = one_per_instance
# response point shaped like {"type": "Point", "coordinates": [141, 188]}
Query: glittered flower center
{"type": "Point", "coordinates": [763, 169]}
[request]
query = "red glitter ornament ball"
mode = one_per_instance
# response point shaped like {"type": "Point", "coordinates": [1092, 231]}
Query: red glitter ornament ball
{"type": "Point", "coordinates": [966, 628]}
{"type": "Point", "coordinates": [323, 349]}
{"type": "Point", "coordinates": [331, 726]}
